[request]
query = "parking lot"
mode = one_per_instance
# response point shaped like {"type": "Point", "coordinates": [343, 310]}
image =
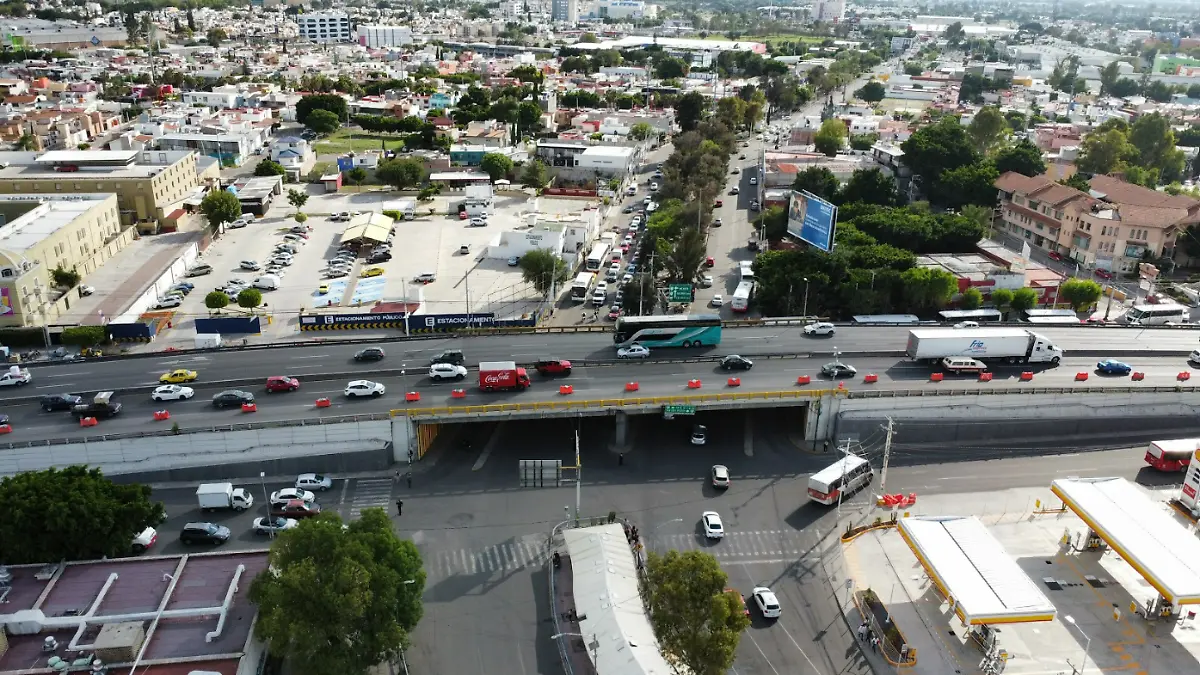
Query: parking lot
{"type": "Point", "coordinates": [444, 246]}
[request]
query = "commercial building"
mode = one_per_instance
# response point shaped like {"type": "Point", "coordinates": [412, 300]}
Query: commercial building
{"type": "Point", "coordinates": [608, 160]}
{"type": "Point", "coordinates": [1113, 227]}
{"type": "Point", "coordinates": [324, 27]}
{"type": "Point", "coordinates": [146, 183]}
{"type": "Point", "coordinates": [384, 36]}
{"type": "Point", "coordinates": [565, 11]}
{"type": "Point", "coordinates": [622, 9]}
{"type": "Point", "coordinates": [41, 233]}
{"type": "Point", "coordinates": [829, 11]}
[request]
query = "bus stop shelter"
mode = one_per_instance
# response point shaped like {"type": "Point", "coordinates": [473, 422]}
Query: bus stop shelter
{"type": "Point", "coordinates": [982, 582]}
{"type": "Point", "coordinates": [1141, 531]}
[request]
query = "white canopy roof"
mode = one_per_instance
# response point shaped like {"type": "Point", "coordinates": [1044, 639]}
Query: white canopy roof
{"type": "Point", "coordinates": [1162, 550]}
{"type": "Point", "coordinates": [971, 568]}
{"type": "Point", "coordinates": [606, 594]}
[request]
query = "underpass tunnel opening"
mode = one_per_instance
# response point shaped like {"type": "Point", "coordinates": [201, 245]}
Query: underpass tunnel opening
{"type": "Point", "coordinates": [430, 436]}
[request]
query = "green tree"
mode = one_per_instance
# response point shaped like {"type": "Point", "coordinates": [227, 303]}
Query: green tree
{"type": "Point", "coordinates": [496, 165]}
{"type": "Point", "coordinates": [249, 298]}
{"type": "Point", "coordinates": [869, 186]}
{"type": "Point", "coordinates": [941, 146]}
{"type": "Point", "coordinates": [987, 129]}
{"type": "Point", "coordinates": [871, 92]}
{"type": "Point", "coordinates": [542, 268]}
{"type": "Point", "coordinates": [297, 199]}
{"type": "Point", "coordinates": [216, 300]}
{"type": "Point", "coordinates": [1023, 157]}
{"type": "Point", "coordinates": [697, 623]}
{"type": "Point", "coordinates": [927, 289]}
{"type": "Point", "coordinates": [1002, 298]}
{"type": "Point", "coordinates": [731, 111]}
{"type": "Point", "coordinates": [772, 223]}
{"type": "Point", "coordinates": [819, 181]}
{"type": "Point", "coordinates": [641, 131]}
{"type": "Point", "coordinates": [357, 175]}
{"type": "Point", "coordinates": [913, 69]}
{"type": "Point", "coordinates": [638, 295]}
{"type": "Point", "coordinates": [1080, 293]}
{"type": "Point", "coordinates": [1077, 181]}
{"type": "Point", "coordinates": [84, 336]}
{"type": "Point", "coordinates": [689, 110]}
{"type": "Point", "coordinates": [831, 137]}
{"type": "Point", "coordinates": [366, 580]}
{"type": "Point", "coordinates": [1155, 142]}
{"type": "Point", "coordinates": [300, 218]}
{"type": "Point", "coordinates": [215, 36]}
{"type": "Point", "coordinates": [687, 257]}
{"type": "Point", "coordinates": [220, 207]}
{"type": "Point", "coordinates": [1023, 299]}
{"type": "Point", "coordinates": [535, 174]}
{"type": "Point", "coordinates": [970, 184]}
{"type": "Point", "coordinates": [978, 214]}
{"type": "Point", "coordinates": [322, 122]}
{"type": "Point", "coordinates": [403, 173]}
{"type": "Point", "coordinates": [65, 278]}
{"type": "Point", "coordinates": [27, 142]}
{"type": "Point", "coordinates": [971, 299]}
{"type": "Point", "coordinates": [269, 168]}
{"type": "Point", "coordinates": [74, 513]}
{"type": "Point", "coordinates": [334, 103]}
{"type": "Point", "coordinates": [670, 68]}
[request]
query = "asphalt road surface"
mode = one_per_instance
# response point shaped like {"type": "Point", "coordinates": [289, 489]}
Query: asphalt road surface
{"type": "Point", "coordinates": [30, 423]}
{"type": "Point", "coordinates": [483, 537]}
{"type": "Point", "coordinates": [316, 359]}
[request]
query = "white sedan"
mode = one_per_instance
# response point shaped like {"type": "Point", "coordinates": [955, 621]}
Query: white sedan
{"type": "Point", "coordinates": [172, 392]}
{"type": "Point", "coordinates": [967, 324]}
{"type": "Point", "coordinates": [273, 525]}
{"type": "Point", "coordinates": [289, 494]}
{"type": "Point", "coordinates": [767, 603]}
{"type": "Point", "coordinates": [716, 301]}
{"type": "Point", "coordinates": [633, 351]}
{"type": "Point", "coordinates": [713, 529]}
{"type": "Point", "coordinates": [820, 328]}
{"type": "Point", "coordinates": [365, 388]}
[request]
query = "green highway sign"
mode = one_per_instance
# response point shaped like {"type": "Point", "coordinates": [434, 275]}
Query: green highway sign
{"type": "Point", "coordinates": [679, 410]}
{"type": "Point", "coordinates": [679, 292]}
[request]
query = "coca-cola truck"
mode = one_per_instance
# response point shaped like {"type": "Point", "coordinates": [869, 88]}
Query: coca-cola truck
{"type": "Point", "coordinates": [502, 375]}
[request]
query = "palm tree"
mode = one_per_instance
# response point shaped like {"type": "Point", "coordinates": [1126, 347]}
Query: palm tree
{"type": "Point", "coordinates": [979, 214]}
{"type": "Point", "coordinates": [27, 142]}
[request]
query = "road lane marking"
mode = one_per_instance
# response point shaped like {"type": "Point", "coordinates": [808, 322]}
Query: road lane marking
{"type": "Point", "coordinates": [760, 651]}
{"type": "Point", "coordinates": [56, 386]}
{"type": "Point", "coordinates": [66, 374]}
{"type": "Point", "coordinates": [314, 356]}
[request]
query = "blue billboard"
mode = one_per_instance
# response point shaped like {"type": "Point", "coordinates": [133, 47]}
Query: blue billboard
{"type": "Point", "coordinates": [812, 219]}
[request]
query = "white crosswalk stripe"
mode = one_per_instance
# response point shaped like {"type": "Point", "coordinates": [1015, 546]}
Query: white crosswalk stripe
{"type": "Point", "coordinates": [510, 556]}
{"type": "Point", "coordinates": [737, 545]}
{"type": "Point", "coordinates": [371, 493]}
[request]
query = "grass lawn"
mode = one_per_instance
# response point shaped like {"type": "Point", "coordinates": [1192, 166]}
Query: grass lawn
{"type": "Point", "coordinates": [346, 140]}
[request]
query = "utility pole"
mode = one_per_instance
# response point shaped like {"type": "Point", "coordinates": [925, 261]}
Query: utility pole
{"type": "Point", "coordinates": [578, 473]}
{"type": "Point", "coordinates": [887, 454]}
{"type": "Point", "coordinates": [845, 453]}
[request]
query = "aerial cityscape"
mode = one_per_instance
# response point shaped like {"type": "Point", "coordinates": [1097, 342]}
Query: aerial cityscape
{"type": "Point", "coordinates": [599, 337]}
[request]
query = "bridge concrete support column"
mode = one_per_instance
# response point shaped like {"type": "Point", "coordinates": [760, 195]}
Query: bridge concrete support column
{"type": "Point", "coordinates": [621, 438]}
{"type": "Point", "coordinates": [403, 438]}
{"type": "Point", "coordinates": [820, 421]}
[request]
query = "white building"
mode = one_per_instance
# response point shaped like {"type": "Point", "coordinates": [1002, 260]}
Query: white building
{"type": "Point", "coordinates": [829, 11]}
{"type": "Point", "coordinates": [620, 9]}
{"type": "Point", "coordinates": [565, 11]}
{"type": "Point", "coordinates": [608, 160]}
{"type": "Point", "coordinates": [325, 26]}
{"type": "Point", "coordinates": [384, 36]}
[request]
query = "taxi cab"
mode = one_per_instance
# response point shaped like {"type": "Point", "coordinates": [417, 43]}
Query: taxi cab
{"type": "Point", "coordinates": [371, 272]}
{"type": "Point", "coordinates": [178, 376]}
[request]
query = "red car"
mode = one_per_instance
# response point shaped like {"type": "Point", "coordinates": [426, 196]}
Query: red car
{"type": "Point", "coordinates": [1104, 274]}
{"type": "Point", "coordinates": [553, 367]}
{"type": "Point", "coordinates": [282, 383]}
{"type": "Point", "coordinates": [296, 508]}
{"type": "Point", "coordinates": [462, 215]}
{"type": "Point", "coordinates": [718, 204]}
{"type": "Point", "coordinates": [1055, 255]}
{"type": "Point", "coordinates": [709, 262]}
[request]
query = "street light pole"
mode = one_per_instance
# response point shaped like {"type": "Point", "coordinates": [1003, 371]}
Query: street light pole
{"type": "Point", "coordinates": [1087, 645]}
{"type": "Point", "coordinates": [804, 312]}
{"type": "Point", "coordinates": [262, 478]}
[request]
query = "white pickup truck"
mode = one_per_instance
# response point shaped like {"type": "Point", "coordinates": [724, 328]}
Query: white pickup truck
{"type": "Point", "coordinates": [15, 377]}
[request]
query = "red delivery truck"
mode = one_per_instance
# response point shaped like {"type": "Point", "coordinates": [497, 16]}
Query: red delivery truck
{"type": "Point", "coordinates": [495, 375]}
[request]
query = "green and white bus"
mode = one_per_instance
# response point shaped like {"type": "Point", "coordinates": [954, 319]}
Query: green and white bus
{"type": "Point", "coordinates": [685, 330]}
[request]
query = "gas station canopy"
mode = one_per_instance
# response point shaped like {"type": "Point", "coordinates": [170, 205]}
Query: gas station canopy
{"type": "Point", "coordinates": [974, 572]}
{"type": "Point", "coordinates": [1141, 531]}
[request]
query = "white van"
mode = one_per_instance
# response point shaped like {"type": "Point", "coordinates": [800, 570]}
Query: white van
{"type": "Point", "coordinates": [267, 282]}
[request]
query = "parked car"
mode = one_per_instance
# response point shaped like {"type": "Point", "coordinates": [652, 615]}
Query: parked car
{"type": "Point", "coordinates": [289, 494]}
{"type": "Point", "coordinates": [203, 533]}
{"type": "Point", "coordinates": [199, 270]}
{"type": "Point", "coordinates": [273, 525]}
{"type": "Point", "coordinates": [314, 481]}
{"type": "Point", "coordinates": [295, 509]}
{"type": "Point", "coordinates": [169, 302]}
{"type": "Point", "coordinates": [251, 265]}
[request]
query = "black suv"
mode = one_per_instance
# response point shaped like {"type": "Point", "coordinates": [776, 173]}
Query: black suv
{"type": "Point", "coordinates": [232, 397]}
{"type": "Point", "coordinates": [203, 533]}
{"type": "Point", "coordinates": [452, 356]}
{"type": "Point", "coordinates": [369, 354]}
{"type": "Point", "coordinates": [53, 402]}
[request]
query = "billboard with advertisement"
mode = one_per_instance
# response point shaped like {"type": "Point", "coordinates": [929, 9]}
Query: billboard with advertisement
{"type": "Point", "coordinates": [811, 219]}
{"type": "Point", "coordinates": [6, 304]}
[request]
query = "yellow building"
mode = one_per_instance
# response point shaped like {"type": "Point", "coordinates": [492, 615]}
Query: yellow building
{"type": "Point", "coordinates": [39, 233]}
{"type": "Point", "coordinates": [148, 184]}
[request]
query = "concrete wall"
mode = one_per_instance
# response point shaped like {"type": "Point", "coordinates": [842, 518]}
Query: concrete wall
{"type": "Point", "coordinates": [333, 448]}
{"type": "Point", "coordinates": [994, 425]}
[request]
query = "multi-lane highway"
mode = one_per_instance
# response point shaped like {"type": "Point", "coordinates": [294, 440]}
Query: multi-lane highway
{"type": "Point", "coordinates": [30, 423]}
{"type": "Point", "coordinates": [252, 366]}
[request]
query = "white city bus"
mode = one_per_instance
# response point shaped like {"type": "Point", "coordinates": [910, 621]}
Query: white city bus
{"type": "Point", "coordinates": [741, 296]}
{"type": "Point", "coordinates": [582, 287]}
{"type": "Point", "coordinates": [598, 258]}
{"type": "Point", "coordinates": [1155, 315]}
{"type": "Point", "coordinates": [844, 477]}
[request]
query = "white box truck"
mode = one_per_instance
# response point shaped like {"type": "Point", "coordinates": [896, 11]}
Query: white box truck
{"type": "Point", "coordinates": [1014, 345]}
{"type": "Point", "coordinates": [223, 496]}
{"type": "Point", "coordinates": [208, 340]}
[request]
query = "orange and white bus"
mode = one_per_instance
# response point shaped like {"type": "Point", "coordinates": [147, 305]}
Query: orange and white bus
{"type": "Point", "coordinates": [843, 477]}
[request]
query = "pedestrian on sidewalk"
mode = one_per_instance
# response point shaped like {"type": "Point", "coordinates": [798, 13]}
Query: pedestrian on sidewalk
{"type": "Point", "coordinates": [408, 476]}
{"type": "Point", "coordinates": [874, 643]}
{"type": "Point", "coordinates": [862, 632]}
{"type": "Point", "coordinates": [399, 507]}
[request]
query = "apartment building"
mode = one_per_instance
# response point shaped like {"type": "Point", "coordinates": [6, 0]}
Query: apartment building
{"type": "Point", "coordinates": [1113, 227]}
{"type": "Point", "coordinates": [40, 233]}
{"type": "Point", "coordinates": [324, 26]}
{"type": "Point", "coordinates": [146, 183]}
